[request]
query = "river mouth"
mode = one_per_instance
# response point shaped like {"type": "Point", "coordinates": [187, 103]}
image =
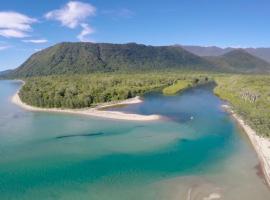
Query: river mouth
{"type": "Point", "coordinates": [197, 154]}
{"type": "Point", "coordinates": [181, 107]}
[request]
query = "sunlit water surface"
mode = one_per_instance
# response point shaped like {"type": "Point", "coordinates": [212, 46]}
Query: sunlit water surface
{"type": "Point", "coordinates": [196, 152]}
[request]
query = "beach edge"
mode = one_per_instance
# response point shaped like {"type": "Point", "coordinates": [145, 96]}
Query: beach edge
{"type": "Point", "coordinates": [94, 112]}
{"type": "Point", "coordinates": [259, 143]}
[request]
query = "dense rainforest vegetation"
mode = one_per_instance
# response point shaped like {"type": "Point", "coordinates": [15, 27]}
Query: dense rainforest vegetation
{"type": "Point", "coordinates": [81, 91]}
{"type": "Point", "coordinates": [250, 98]}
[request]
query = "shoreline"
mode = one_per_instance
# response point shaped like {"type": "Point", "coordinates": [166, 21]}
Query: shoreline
{"type": "Point", "coordinates": [259, 143]}
{"type": "Point", "coordinates": [94, 112]}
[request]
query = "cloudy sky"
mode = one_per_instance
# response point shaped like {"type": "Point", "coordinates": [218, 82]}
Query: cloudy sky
{"type": "Point", "coordinates": [27, 26]}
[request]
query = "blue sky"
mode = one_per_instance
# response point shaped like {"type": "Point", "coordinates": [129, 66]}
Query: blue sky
{"type": "Point", "coordinates": [27, 26]}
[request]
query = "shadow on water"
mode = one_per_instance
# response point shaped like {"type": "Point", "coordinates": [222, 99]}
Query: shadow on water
{"type": "Point", "coordinates": [80, 135]}
{"type": "Point", "coordinates": [95, 134]}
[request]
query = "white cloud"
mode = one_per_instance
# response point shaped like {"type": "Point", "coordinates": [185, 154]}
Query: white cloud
{"type": "Point", "coordinates": [72, 14]}
{"type": "Point", "coordinates": [86, 30]}
{"type": "Point", "coordinates": [13, 24]}
{"type": "Point", "coordinates": [13, 33]}
{"type": "Point", "coordinates": [4, 47]}
{"type": "Point", "coordinates": [38, 41]}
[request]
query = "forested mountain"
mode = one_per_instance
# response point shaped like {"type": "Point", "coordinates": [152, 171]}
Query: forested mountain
{"type": "Point", "coordinates": [263, 53]}
{"type": "Point", "coordinates": [85, 58]}
{"type": "Point", "coordinates": [240, 61]}
{"type": "Point", "coordinates": [82, 58]}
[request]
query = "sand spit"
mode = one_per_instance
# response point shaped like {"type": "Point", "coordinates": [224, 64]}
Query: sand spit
{"type": "Point", "coordinates": [95, 112]}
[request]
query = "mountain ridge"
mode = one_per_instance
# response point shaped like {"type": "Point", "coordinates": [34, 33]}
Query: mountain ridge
{"type": "Point", "coordinates": [239, 60]}
{"type": "Point", "coordinates": [261, 52]}
{"type": "Point", "coordinates": [85, 57]}
{"type": "Point", "coordinates": [73, 58]}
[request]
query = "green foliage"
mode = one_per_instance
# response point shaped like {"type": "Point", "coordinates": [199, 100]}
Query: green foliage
{"type": "Point", "coordinates": [79, 91]}
{"type": "Point", "coordinates": [250, 98]}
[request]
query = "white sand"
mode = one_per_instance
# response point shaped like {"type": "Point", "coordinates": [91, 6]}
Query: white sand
{"type": "Point", "coordinates": [94, 111]}
{"type": "Point", "coordinates": [260, 144]}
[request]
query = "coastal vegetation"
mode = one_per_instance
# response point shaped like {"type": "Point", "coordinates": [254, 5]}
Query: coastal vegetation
{"type": "Point", "coordinates": [249, 97]}
{"type": "Point", "coordinates": [80, 91]}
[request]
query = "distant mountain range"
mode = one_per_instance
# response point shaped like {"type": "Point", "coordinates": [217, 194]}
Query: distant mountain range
{"type": "Point", "coordinates": [5, 73]}
{"type": "Point", "coordinates": [83, 58]}
{"type": "Point", "coordinates": [263, 53]}
{"type": "Point", "coordinates": [240, 61]}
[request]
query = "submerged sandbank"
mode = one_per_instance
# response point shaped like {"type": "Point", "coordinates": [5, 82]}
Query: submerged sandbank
{"type": "Point", "coordinates": [95, 112]}
{"type": "Point", "coordinates": [260, 144]}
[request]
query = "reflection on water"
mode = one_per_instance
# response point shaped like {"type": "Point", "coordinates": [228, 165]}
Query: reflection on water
{"type": "Point", "coordinates": [197, 154]}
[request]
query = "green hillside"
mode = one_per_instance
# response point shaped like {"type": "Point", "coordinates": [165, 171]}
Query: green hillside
{"type": "Point", "coordinates": [82, 58]}
{"type": "Point", "coordinates": [240, 61]}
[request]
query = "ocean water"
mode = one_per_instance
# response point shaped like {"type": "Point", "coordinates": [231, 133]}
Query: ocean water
{"type": "Point", "coordinates": [196, 152]}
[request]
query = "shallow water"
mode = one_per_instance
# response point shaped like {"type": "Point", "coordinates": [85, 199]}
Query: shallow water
{"type": "Point", "coordinates": [197, 152]}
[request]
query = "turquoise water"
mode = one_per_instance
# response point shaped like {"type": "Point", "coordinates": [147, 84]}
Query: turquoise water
{"type": "Point", "coordinates": [196, 151]}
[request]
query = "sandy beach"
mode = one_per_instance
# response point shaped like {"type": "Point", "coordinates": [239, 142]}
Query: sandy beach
{"type": "Point", "coordinates": [95, 112]}
{"type": "Point", "coordinates": [260, 144]}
